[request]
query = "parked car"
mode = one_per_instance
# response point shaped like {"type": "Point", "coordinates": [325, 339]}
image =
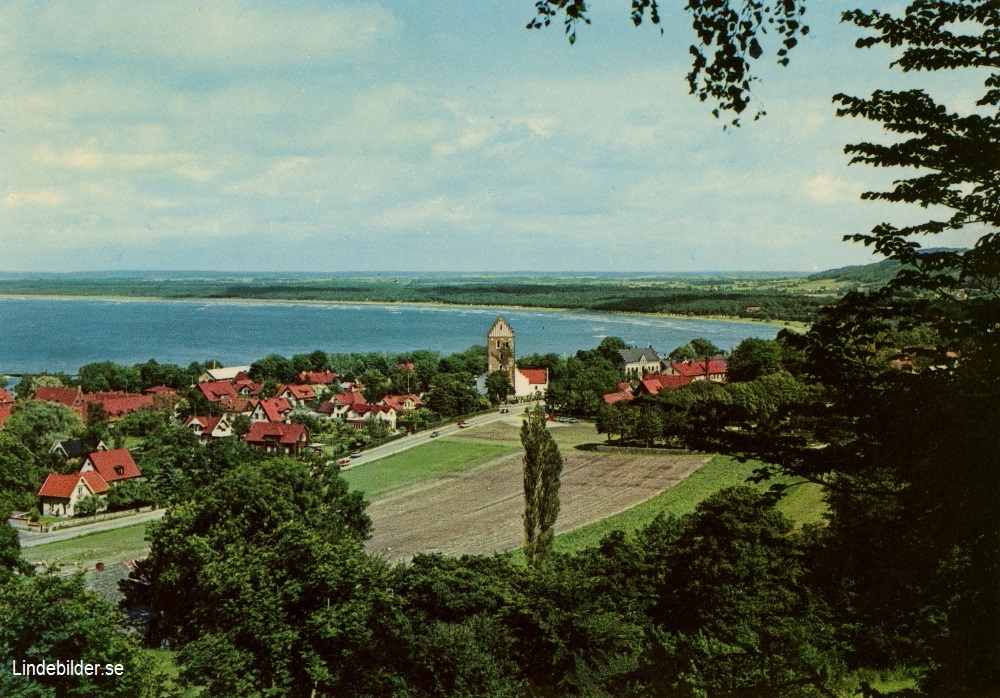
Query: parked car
{"type": "Point", "coordinates": [355, 454]}
{"type": "Point", "coordinates": [344, 461]}
{"type": "Point", "coordinates": [435, 434]}
{"type": "Point", "coordinates": [463, 425]}
{"type": "Point", "coordinates": [504, 410]}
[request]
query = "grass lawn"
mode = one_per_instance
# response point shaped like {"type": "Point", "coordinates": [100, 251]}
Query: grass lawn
{"type": "Point", "coordinates": [801, 505]}
{"type": "Point", "coordinates": [107, 546]}
{"type": "Point", "coordinates": [430, 460]}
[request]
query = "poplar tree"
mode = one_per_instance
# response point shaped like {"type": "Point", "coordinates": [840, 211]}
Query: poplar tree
{"type": "Point", "coordinates": [542, 467]}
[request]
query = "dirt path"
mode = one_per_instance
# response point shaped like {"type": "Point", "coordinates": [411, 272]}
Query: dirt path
{"type": "Point", "coordinates": [479, 510]}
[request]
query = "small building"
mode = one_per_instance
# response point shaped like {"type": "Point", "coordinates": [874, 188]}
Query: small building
{"type": "Point", "coordinates": [296, 395]}
{"type": "Point", "coordinates": [531, 382]}
{"type": "Point", "coordinates": [700, 369]}
{"type": "Point", "coordinates": [208, 428]}
{"type": "Point", "coordinates": [633, 361]}
{"type": "Point", "coordinates": [222, 374]}
{"type": "Point", "coordinates": [68, 397]}
{"type": "Point", "coordinates": [272, 409]}
{"type": "Point", "coordinates": [402, 403]}
{"type": "Point", "coordinates": [653, 383]}
{"type": "Point", "coordinates": [77, 448]}
{"type": "Point", "coordinates": [278, 437]}
{"type": "Point", "coordinates": [214, 391]}
{"type": "Point", "coordinates": [60, 494]}
{"type": "Point", "coordinates": [357, 415]}
{"type": "Point", "coordinates": [113, 466]}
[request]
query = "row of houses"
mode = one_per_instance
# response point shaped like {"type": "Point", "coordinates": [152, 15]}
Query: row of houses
{"type": "Point", "coordinates": [669, 376]}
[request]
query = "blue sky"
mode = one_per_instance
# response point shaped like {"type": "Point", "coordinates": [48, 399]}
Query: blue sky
{"type": "Point", "coordinates": [416, 135]}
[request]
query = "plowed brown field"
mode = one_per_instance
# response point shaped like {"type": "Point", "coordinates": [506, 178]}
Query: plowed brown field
{"type": "Point", "coordinates": [479, 510]}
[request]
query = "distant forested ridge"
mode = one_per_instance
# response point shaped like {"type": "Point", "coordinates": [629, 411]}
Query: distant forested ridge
{"type": "Point", "coordinates": [762, 296]}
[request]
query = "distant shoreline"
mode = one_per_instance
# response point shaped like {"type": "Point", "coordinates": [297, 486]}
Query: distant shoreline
{"type": "Point", "coordinates": [784, 324]}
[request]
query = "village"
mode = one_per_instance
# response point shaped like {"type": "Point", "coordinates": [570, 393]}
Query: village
{"type": "Point", "coordinates": [227, 403]}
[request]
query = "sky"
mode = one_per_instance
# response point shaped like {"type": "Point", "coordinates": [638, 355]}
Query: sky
{"type": "Point", "coordinates": [410, 135]}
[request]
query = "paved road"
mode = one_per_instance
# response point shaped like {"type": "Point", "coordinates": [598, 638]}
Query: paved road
{"type": "Point", "coordinates": [30, 540]}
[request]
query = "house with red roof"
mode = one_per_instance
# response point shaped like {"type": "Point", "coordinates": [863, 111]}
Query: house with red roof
{"type": "Point", "coordinates": [214, 391]}
{"type": "Point", "coordinates": [239, 405]}
{"type": "Point", "coordinates": [207, 428]}
{"type": "Point", "coordinates": [339, 404]}
{"type": "Point", "coordinates": [113, 466]}
{"type": "Point", "coordinates": [531, 382]}
{"type": "Point", "coordinates": [402, 403]}
{"type": "Point", "coordinates": [278, 437]}
{"type": "Point", "coordinates": [246, 387]}
{"type": "Point", "coordinates": [653, 383]}
{"type": "Point", "coordinates": [60, 494]}
{"type": "Point", "coordinates": [357, 415]}
{"type": "Point", "coordinates": [615, 398]}
{"type": "Point", "coordinates": [296, 395]}
{"type": "Point", "coordinates": [6, 410]}
{"type": "Point", "coordinates": [5, 398]}
{"type": "Point", "coordinates": [116, 405]}
{"type": "Point", "coordinates": [700, 369]}
{"type": "Point", "coordinates": [69, 397]}
{"type": "Point", "coordinates": [272, 409]}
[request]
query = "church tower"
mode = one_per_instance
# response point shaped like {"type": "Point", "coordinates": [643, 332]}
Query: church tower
{"type": "Point", "coordinates": [500, 348]}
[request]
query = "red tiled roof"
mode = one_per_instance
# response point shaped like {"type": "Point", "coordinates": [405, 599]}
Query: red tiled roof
{"type": "Point", "coordinates": [64, 396]}
{"type": "Point", "coordinates": [535, 376]}
{"type": "Point", "coordinates": [362, 409]}
{"type": "Point", "coordinates": [159, 389]}
{"type": "Point", "coordinates": [216, 390]}
{"type": "Point", "coordinates": [299, 392]}
{"type": "Point", "coordinates": [612, 398]}
{"type": "Point", "coordinates": [349, 399]}
{"type": "Point", "coordinates": [5, 398]}
{"type": "Point", "coordinates": [405, 365]}
{"type": "Point", "coordinates": [6, 410]}
{"type": "Point", "coordinates": [238, 404]}
{"type": "Point", "coordinates": [208, 424]}
{"type": "Point", "coordinates": [697, 367]}
{"type": "Point", "coordinates": [60, 486]}
{"type": "Point", "coordinates": [107, 463]}
{"type": "Point", "coordinates": [118, 406]}
{"type": "Point", "coordinates": [624, 387]}
{"type": "Point", "coordinates": [655, 382]}
{"type": "Point", "coordinates": [275, 408]}
{"type": "Point", "coordinates": [287, 434]}
{"type": "Point", "coordinates": [398, 402]}
{"type": "Point", "coordinates": [96, 482]}
{"type": "Point", "coordinates": [317, 377]}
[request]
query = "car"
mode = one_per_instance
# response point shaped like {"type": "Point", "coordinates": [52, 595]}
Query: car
{"type": "Point", "coordinates": [504, 410]}
{"type": "Point", "coordinates": [356, 454]}
{"type": "Point", "coordinates": [463, 425]}
{"type": "Point", "coordinates": [435, 434]}
{"type": "Point", "coordinates": [460, 422]}
{"type": "Point", "coordinates": [344, 461]}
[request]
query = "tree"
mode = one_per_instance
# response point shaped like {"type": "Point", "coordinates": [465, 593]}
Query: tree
{"type": "Point", "coordinates": [52, 618]}
{"type": "Point", "coordinates": [273, 367]}
{"type": "Point", "coordinates": [753, 358]}
{"type": "Point", "coordinates": [88, 506]}
{"type": "Point", "coordinates": [913, 548]}
{"type": "Point", "coordinates": [37, 424]}
{"type": "Point", "coordinates": [703, 347]}
{"type": "Point", "coordinates": [19, 474]}
{"type": "Point", "coordinates": [542, 468]}
{"type": "Point", "coordinates": [739, 617]}
{"type": "Point", "coordinates": [498, 387]}
{"type": "Point", "coordinates": [453, 394]}
{"type": "Point", "coordinates": [729, 35]}
{"type": "Point", "coordinates": [105, 375]}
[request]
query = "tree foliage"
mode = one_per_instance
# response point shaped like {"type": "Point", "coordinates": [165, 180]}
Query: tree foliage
{"type": "Point", "coordinates": [729, 35]}
{"type": "Point", "coordinates": [542, 468]}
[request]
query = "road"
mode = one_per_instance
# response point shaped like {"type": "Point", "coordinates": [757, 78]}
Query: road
{"type": "Point", "coordinates": [30, 540]}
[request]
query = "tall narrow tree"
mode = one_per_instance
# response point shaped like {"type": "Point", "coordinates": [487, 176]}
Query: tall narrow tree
{"type": "Point", "coordinates": [542, 468]}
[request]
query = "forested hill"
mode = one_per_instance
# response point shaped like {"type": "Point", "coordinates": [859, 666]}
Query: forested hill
{"type": "Point", "coordinates": [764, 296]}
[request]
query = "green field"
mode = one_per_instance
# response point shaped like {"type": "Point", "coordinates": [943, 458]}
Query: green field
{"type": "Point", "coordinates": [108, 547]}
{"type": "Point", "coordinates": [802, 504]}
{"type": "Point", "coordinates": [431, 460]}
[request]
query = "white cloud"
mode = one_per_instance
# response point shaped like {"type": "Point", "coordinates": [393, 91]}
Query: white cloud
{"type": "Point", "coordinates": [828, 189]}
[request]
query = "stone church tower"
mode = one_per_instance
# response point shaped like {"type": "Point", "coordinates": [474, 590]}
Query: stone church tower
{"type": "Point", "coordinates": [500, 349]}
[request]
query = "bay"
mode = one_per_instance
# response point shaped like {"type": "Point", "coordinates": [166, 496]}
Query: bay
{"type": "Point", "coordinates": [39, 334]}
